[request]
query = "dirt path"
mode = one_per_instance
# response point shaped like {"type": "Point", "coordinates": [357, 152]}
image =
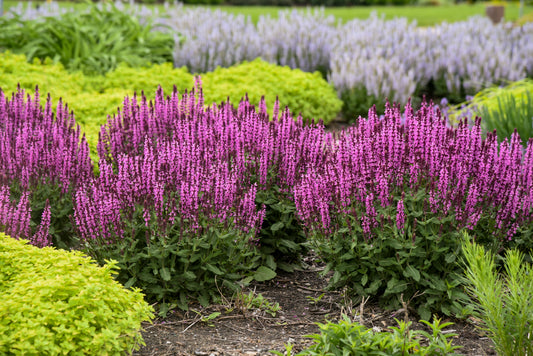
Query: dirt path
{"type": "Point", "coordinates": [244, 329]}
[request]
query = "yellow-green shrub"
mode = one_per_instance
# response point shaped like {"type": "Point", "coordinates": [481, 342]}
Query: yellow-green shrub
{"type": "Point", "coordinates": [58, 302]}
{"type": "Point", "coordinates": [306, 93]}
{"type": "Point", "coordinates": [147, 79]}
{"type": "Point", "coordinates": [92, 98]}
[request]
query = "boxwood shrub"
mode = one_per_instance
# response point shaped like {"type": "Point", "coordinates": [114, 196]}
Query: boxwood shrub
{"type": "Point", "coordinates": [305, 93]}
{"type": "Point", "coordinates": [58, 302]}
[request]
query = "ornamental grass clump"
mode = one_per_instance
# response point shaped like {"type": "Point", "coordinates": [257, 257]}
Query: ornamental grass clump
{"type": "Point", "coordinates": [181, 182]}
{"type": "Point", "coordinates": [42, 161]}
{"type": "Point", "coordinates": [503, 301]}
{"type": "Point", "coordinates": [503, 109]}
{"type": "Point", "coordinates": [387, 209]}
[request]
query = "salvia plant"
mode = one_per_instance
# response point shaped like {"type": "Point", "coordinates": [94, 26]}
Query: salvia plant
{"type": "Point", "coordinates": [43, 159]}
{"type": "Point", "coordinates": [178, 179]}
{"type": "Point", "coordinates": [387, 208]}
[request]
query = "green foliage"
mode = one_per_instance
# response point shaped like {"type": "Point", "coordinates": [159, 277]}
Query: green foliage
{"type": "Point", "coordinates": [504, 302]}
{"type": "Point", "coordinates": [57, 302]}
{"type": "Point", "coordinates": [346, 338]}
{"type": "Point", "coordinates": [305, 93]}
{"type": "Point", "coordinates": [281, 236]}
{"type": "Point", "coordinates": [357, 101]}
{"type": "Point", "coordinates": [175, 267]}
{"type": "Point", "coordinates": [94, 41]}
{"type": "Point", "coordinates": [252, 300]}
{"type": "Point", "coordinates": [416, 265]}
{"type": "Point", "coordinates": [504, 109]}
{"type": "Point", "coordinates": [146, 79]}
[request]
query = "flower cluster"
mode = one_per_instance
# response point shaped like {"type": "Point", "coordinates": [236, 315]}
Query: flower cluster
{"type": "Point", "coordinates": [36, 147]}
{"type": "Point", "coordinates": [178, 160]}
{"type": "Point", "coordinates": [37, 150]}
{"type": "Point", "coordinates": [380, 160]}
{"type": "Point", "coordinates": [392, 58]}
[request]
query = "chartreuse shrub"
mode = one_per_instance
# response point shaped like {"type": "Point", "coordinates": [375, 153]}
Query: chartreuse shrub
{"type": "Point", "coordinates": [93, 41]}
{"type": "Point", "coordinates": [503, 109]}
{"type": "Point", "coordinates": [305, 93]}
{"type": "Point", "coordinates": [58, 302]}
{"type": "Point", "coordinates": [44, 159]}
{"type": "Point", "coordinates": [503, 301]}
{"type": "Point", "coordinates": [386, 211]}
{"type": "Point", "coordinates": [349, 338]}
{"type": "Point", "coordinates": [92, 98]}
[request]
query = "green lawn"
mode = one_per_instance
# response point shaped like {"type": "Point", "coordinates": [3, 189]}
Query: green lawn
{"type": "Point", "coordinates": [424, 15]}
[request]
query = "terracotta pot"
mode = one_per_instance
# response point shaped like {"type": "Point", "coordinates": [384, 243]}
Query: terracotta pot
{"type": "Point", "coordinates": [495, 12]}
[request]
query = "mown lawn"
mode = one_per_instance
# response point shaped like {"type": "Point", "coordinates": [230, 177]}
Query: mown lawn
{"type": "Point", "coordinates": [424, 15]}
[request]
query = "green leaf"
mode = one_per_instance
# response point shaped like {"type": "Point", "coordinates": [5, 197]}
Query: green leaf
{"type": "Point", "coordinates": [165, 274]}
{"type": "Point", "coordinates": [395, 286]}
{"type": "Point", "coordinates": [264, 274]}
{"type": "Point", "coordinates": [130, 282]}
{"type": "Point", "coordinates": [450, 258]}
{"type": "Point", "coordinates": [190, 276]}
{"type": "Point", "coordinates": [277, 226]}
{"type": "Point", "coordinates": [364, 279]}
{"type": "Point", "coordinates": [214, 269]}
{"type": "Point", "coordinates": [412, 272]}
{"type": "Point", "coordinates": [270, 263]}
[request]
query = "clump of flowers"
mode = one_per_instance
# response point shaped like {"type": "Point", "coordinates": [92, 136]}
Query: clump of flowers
{"type": "Point", "coordinates": [379, 159]}
{"type": "Point", "coordinates": [387, 208]}
{"type": "Point", "coordinates": [42, 160]}
{"type": "Point", "coordinates": [174, 172]}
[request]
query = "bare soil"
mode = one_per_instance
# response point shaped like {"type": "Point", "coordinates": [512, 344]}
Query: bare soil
{"type": "Point", "coordinates": [250, 331]}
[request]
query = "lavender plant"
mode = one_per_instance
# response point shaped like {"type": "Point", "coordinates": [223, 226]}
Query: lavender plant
{"type": "Point", "coordinates": [387, 210]}
{"type": "Point", "coordinates": [42, 160]}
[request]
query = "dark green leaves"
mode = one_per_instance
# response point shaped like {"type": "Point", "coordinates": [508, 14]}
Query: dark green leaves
{"type": "Point", "coordinates": [397, 268]}
{"type": "Point", "coordinates": [264, 274]}
{"type": "Point", "coordinates": [173, 270]}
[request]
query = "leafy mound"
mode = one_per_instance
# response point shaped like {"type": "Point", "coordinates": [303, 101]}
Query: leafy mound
{"type": "Point", "coordinates": [305, 93]}
{"type": "Point", "coordinates": [58, 302]}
